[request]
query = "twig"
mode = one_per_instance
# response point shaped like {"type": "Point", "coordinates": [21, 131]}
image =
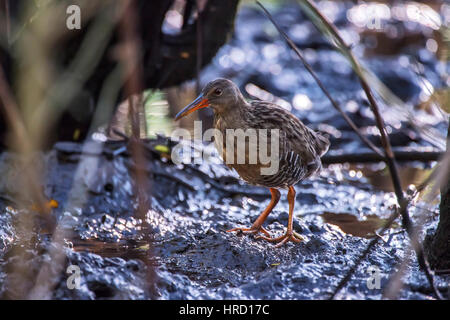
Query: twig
{"type": "Point", "coordinates": [33, 112]}
{"type": "Point", "coordinates": [8, 21]}
{"type": "Point", "coordinates": [441, 179]}
{"type": "Point", "coordinates": [372, 244]}
{"type": "Point", "coordinates": [388, 153]}
{"type": "Point", "coordinates": [131, 60]}
{"type": "Point", "coordinates": [373, 157]}
{"type": "Point", "coordinates": [133, 83]}
{"type": "Point", "coordinates": [187, 13]}
{"type": "Point", "coordinates": [444, 271]}
{"type": "Point", "coordinates": [199, 46]}
{"type": "Point", "coordinates": [390, 159]}
{"type": "Point", "coordinates": [311, 71]}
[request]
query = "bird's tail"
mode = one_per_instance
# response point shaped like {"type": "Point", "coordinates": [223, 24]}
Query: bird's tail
{"type": "Point", "coordinates": [321, 144]}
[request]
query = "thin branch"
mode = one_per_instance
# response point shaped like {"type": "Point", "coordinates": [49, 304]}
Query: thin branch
{"type": "Point", "coordinates": [325, 91]}
{"type": "Point", "coordinates": [442, 272]}
{"type": "Point", "coordinates": [199, 46]}
{"type": "Point", "coordinates": [372, 244]}
{"type": "Point", "coordinates": [367, 157]}
{"type": "Point", "coordinates": [388, 153]}
{"type": "Point", "coordinates": [441, 177]}
{"type": "Point", "coordinates": [8, 21]}
{"type": "Point", "coordinates": [390, 159]}
{"type": "Point", "coordinates": [132, 62]}
{"type": "Point", "coordinates": [187, 13]}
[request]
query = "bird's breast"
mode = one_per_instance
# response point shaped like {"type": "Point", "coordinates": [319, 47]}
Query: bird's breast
{"type": "Point", "coordinates": [268, 162]}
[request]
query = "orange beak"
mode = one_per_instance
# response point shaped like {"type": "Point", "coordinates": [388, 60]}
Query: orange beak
{"type": "Point", "coordinates": [198, 103]}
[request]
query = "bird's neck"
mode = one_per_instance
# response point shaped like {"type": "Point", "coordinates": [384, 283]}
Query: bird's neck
{"type": "Point", "coordinates": [232, 117]}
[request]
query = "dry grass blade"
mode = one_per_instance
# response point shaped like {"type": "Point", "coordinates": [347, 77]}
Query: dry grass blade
{"type": "Point", "coordinates": [12, 114]}
{"type": "Point", "coordinates": [441, 173]}
{"type": "Point", "coordinates": [322, 87]}
{"type": "Point", "coordinates": [330, 31]}
{"type": "Point", "coordinates": [199, 46]}
{"type": "Point", "coordinates": [131, 59]}
{"type": "Point", "coordinates": [372, 244]}
{"type": "Point", "coordinates": [20, 139]}
{"type": "Point", "coordinates": [426, 132]}
{"type": "Point", "coordinates": [29, 119]}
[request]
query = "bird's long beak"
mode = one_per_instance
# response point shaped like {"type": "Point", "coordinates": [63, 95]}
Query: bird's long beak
{"type": "Point", "coordinates": [198, 103]}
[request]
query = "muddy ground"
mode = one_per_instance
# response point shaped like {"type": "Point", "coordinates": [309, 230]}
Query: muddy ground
{"type": "Point", "coordinates": [188, 254]}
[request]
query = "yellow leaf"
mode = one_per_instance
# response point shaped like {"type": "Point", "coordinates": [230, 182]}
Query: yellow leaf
{"type": "Point", "coordinates": [76, 134]}
{"type": "Point", "coordinates": [46, 207]}
{"type": "Point", "coordinates": [161, 148]}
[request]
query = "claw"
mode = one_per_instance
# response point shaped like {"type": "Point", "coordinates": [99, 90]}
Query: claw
{"type": "Point", "coordinates": [288, 236]}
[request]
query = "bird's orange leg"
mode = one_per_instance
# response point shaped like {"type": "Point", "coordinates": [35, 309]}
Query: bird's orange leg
{"type": "Point", "coordinates": [290, 234]}
{"type": "Point", "coordinates": [257, 225]}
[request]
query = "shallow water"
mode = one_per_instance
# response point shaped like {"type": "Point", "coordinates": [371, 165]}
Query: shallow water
{"type": "Point", "coordinates": [183, 251]}
{"type": "Point", "coordinates": [189, 254]}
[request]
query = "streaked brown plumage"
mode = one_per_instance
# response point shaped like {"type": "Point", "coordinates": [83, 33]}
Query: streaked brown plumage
{"type": "Point", "coordinates": [300, 148]}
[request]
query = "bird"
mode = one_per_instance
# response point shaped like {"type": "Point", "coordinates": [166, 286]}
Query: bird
{"type": "Point", "coordinates": [299, 148]}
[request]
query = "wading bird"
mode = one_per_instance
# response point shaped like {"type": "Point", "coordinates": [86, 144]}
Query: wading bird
{"type": "Point", "coordinates": [298, 153]}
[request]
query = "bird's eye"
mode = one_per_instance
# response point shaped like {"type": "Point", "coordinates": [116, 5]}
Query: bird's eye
{"type": "Point", "coordinates": [218, 92]}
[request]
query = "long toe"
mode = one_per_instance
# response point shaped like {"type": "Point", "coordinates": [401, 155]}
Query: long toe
{"type": "Point", "coordinates": [250, 230]}
{"type": "Point", "coordinates": [294, 237]}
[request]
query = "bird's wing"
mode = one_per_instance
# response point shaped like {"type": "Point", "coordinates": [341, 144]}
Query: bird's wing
{"type": "Point", "coordinates": [307, 143]}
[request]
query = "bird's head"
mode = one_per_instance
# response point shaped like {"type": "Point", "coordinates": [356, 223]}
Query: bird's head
{"type": "Point", "coordinates": [222, 95]}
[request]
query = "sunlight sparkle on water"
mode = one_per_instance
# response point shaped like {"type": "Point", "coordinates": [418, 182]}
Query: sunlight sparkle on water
{"type": "Point", "coordinates": [301, 102]}
{"type": "Point", "coordinates": [371, 15]}
{"type": "Point", "coordinates": [264, 95]}
{"type": "Point", "coordinates": [365, 15]}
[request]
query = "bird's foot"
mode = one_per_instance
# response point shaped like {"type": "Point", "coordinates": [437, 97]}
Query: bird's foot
{"type": "Point", "coordinates": [288, 236]}
{"type": "Point", "coordinates": [251, 230]}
